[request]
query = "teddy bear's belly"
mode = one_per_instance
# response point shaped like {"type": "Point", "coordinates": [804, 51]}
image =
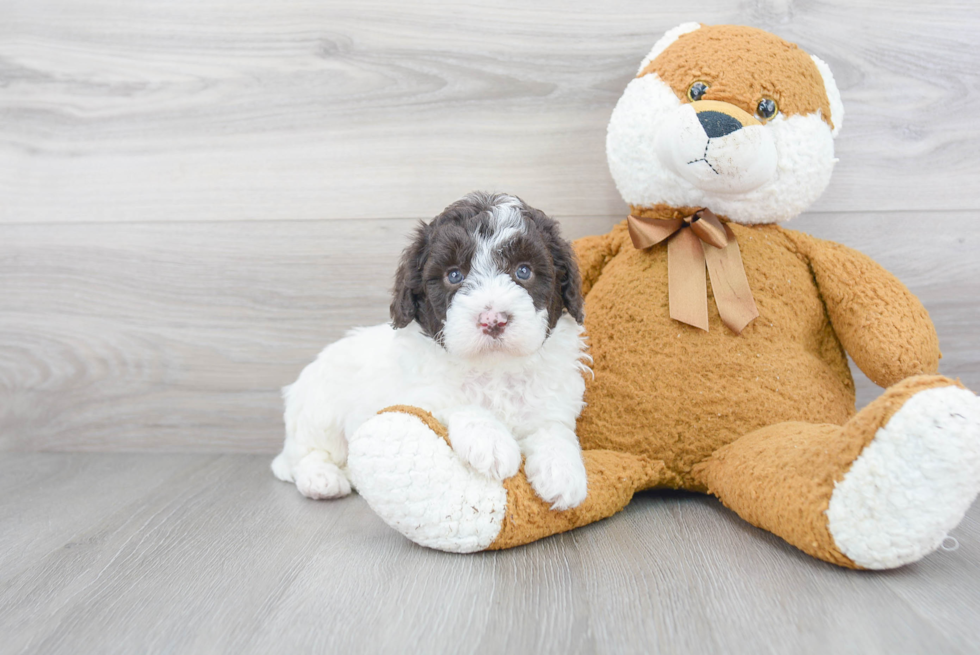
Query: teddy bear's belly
{"type": "Point", "coordinates": [675, 393]}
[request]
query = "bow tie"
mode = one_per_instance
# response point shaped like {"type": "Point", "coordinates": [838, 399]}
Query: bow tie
{"type": "Point", "coordinates": [693, 242]}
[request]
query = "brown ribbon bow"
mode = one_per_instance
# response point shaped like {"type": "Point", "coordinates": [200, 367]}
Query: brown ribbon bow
{"type": "Point", "coordinates": [686, 260]}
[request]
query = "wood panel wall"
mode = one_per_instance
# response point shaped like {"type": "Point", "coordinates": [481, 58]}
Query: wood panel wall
{"type": "Point", "coordinates": [195, 196]}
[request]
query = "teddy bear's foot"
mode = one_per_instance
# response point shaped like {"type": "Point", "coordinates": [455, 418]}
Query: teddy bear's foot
{"type": "Point", "coordinates": [912, 484]}
{"type": "Point", "coordinates": [403, 466]}
{"type": "Point", "coordinates": [878, 492]}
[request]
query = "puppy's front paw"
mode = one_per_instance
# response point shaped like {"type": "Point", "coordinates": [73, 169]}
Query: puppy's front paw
{"type": "Point", "coordinates": [487, 446]}
{"type": "Point", "coordinates": [320, 480]}
{"type": "Point", "coordinates": [558, 476]}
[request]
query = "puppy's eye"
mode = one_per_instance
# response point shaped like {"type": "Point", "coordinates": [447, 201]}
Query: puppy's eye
{"type": "Point", "coordinates": [767, 108]}
{"type": "Point", "coordinates": [455, 276]}
{"type": "Point", "coordinates": [697, 91]}
{"type": "Point", "coordinates": [523, 272]}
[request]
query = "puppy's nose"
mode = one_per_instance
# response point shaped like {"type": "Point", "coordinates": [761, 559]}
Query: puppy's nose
{"type": "Point", "coordinates": [492, 322]}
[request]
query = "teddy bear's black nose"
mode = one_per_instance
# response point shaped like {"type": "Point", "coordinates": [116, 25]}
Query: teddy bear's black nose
{"type": "Point", "coordinates": [717, 124]}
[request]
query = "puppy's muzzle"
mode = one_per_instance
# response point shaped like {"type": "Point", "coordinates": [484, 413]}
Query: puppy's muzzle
{"type": "Point", "coordinates": [493, 323]}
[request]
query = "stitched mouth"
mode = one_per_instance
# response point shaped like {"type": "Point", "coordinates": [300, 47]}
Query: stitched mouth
{"type": "Point", "coordinates": [704, 158]}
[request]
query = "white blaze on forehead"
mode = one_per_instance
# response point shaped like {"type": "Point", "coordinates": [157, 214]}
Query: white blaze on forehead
{"type": "Point", "coordinates": [506, 223]}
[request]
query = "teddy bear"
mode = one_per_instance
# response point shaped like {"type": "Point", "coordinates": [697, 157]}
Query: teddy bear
{"type": "Point", "coordinates": [720, 338]}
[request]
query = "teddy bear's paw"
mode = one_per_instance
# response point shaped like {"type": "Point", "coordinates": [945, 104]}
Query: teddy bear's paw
{"type": "Point", "coordinates": [912, 484]}
{"type": "Point", "coordinates": [485, 444]}
{"type": "Point", "coordinates": [558, 475]}
{"type": "Point", "coordinates": [415, 482]}
{"type": "Point", "coordinates": [319, 479]}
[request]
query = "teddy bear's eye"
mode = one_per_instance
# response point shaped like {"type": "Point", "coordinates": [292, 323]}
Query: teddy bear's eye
{"type": "Point", "coordinates": [697, 91]}
{"type": "Point", "coordinates": [767, 108]}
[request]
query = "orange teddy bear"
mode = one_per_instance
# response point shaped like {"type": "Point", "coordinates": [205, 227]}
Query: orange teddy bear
{"type": "Point", "coordinates": [734, 384]}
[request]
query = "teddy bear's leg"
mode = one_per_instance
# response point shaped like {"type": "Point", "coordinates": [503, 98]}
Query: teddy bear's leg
{"type": "Point", "coordinates": [881, 491]}
{"type": "Point", "coordinates": [613, 479]}
{"type": "Point", "coordinates": [402, 464]}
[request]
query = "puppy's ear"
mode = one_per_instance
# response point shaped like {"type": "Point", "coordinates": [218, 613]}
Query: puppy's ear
{"type": "Point", "coordinates": [568, 281]}
{"type": "Point", "coordinates": [409, 285]}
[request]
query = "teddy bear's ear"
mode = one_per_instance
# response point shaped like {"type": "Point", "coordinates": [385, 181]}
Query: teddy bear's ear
{"type": "Point", "coordinates": [408, 279]}
{"type": "Point", "coordinates": [666, 40]}
{"type": "Point", "coordinates": [833, 94]}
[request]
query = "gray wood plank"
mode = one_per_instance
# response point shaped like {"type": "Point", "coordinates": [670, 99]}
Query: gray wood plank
{"type": "Point", "coordinates": [177, 337]}
{"type": "Point", "coordinates": [221, 557]}
{"type": "Point", "coordinates": [37, 511]}
{"type": "Point", "coordinates": [945, 581]}
{"type": "Point", "coordinates": [223, 110]}
{"type": "Point", "coordinates": [691, 576]}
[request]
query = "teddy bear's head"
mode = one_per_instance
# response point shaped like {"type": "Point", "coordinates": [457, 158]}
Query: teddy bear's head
{"type": "Point", "coordinates": [730, 118]}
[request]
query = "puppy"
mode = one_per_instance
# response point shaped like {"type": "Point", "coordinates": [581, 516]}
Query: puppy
{"type": "Point", "coordinates": [486, 334]}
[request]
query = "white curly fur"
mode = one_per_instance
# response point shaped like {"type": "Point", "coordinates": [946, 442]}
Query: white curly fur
{"type": "Point", "coordinates": [487, 404]}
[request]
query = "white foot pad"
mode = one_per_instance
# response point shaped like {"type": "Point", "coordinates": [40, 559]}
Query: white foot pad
{"type": "Point", "coordinates": [912, 484]}
{"type": "Point", "coordinates": [414, 481]}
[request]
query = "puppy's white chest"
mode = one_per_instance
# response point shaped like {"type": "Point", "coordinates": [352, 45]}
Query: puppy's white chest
{"type": "Point", "coordinates": [504, 394]}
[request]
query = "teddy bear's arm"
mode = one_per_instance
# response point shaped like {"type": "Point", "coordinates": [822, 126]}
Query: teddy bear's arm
{"type": "Point", "coordinates": [594, 252]}
{"type": "Point", "coordinates": [880, 323]}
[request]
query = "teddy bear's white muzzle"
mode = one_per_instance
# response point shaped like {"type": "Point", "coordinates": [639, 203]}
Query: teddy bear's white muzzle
{"type": "Point", "coordinates": [740, 160]}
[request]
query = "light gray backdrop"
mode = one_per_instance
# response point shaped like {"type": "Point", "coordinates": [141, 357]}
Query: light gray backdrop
{"type": "Point", "coordinates": [196, 196]}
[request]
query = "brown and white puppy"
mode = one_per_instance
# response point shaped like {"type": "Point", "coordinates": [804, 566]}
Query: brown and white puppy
{"type": "Point", "coordinates": [507, 268]}
{"type": "Point", "coordinates": [486, 334]}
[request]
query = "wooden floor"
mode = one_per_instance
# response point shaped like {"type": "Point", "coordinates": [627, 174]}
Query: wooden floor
{"type": "Point", "coordinates": [135, 553]}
